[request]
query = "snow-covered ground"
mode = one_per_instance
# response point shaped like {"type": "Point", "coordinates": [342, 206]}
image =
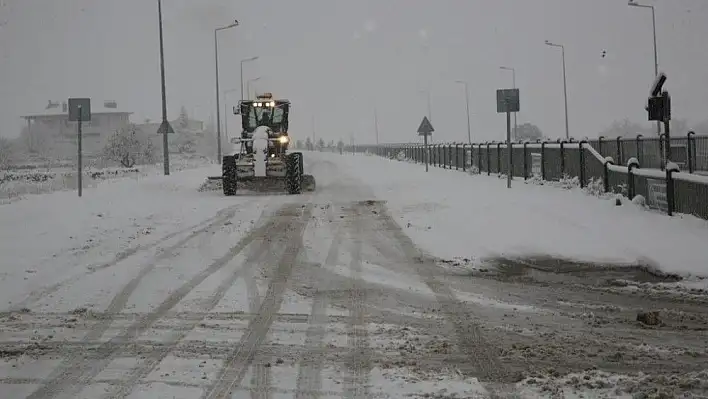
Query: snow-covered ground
{"type": "Point", "coordinates": [385, 282]}
{"type": "Point", "coordinates": [18, 184]}
{"type": "Point", "coordinates": [455, 214]}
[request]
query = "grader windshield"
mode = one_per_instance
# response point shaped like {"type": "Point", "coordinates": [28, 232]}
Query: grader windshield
{"type": "Point", "coordinates": [265, 112]}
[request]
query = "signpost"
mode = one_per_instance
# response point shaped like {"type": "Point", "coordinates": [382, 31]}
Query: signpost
{"type": "Point", "coordinates": [425, 129]}
{"type": "Point", "coordinates": [508, 102]}
{"type": "Point", "coordinates": [659, 109]}
{"type": "Point", "coordinates": [79, 111]}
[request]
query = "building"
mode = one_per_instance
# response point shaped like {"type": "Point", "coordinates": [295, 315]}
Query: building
{"type": "Point", "coordinates": [50, 134]}
{"type": "Point", "coordinates": [106, 118]}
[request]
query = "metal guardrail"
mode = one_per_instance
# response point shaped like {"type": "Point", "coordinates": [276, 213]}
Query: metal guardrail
{"type": "Point", "coordinates": [668, 190]}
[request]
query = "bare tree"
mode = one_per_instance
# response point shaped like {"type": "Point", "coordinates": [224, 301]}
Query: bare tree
{"type": "Point", "coordinates": [183, 119]}
{"type": "Point", "coordinates": [128, 146]}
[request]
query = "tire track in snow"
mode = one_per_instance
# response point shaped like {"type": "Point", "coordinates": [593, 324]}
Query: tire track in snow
{"type": "Point", "coordinates": [40, 293]}
{"type": "Point", "coordinates": [260, 378]}
{"type": "Point", "coordinates": [238, 361]}
{"type": "Point", "coordinates": [484, 358]}
{"type": "Point", "coordinates": [359, 358]}
{"type": "Point", "coordinates": [73, 373]}
{"type": "Point", "coordinates": [204, 306]}
{"type": "Point", "coordinates": [309, 379]}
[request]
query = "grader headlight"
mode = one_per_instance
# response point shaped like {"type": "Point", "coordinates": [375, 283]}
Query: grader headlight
{"type": "Point", "coordinates": [283, 139]}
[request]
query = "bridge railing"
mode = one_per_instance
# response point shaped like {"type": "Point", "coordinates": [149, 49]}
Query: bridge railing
{"type": "Point", "coordinates": [662, 187]}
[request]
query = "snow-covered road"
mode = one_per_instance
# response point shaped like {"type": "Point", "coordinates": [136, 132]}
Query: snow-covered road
{"type": "Point", "coordinates": [385, 282]}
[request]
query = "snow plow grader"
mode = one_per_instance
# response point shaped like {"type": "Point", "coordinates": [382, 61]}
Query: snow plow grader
{"type": "Point", "coordinates": [264, 119]}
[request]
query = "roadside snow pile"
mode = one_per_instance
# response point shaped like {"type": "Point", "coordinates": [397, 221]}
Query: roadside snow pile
{"type": "Point", "coordinates": [600, 384]}
{"type": "Point", "coordinates": [402, 383]}
{"type": "Point", "coordinates": [17, 183]}
{"type": "Point", "coordinates": [40, 177]}
{"type": "Point", "coordinates": [565, 182]}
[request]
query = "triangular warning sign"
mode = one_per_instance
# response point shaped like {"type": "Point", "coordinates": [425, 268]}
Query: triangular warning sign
{"type": "Point", "coordinates": [165, 127]}
{"type": "Point", "coordinates": [425, 127]}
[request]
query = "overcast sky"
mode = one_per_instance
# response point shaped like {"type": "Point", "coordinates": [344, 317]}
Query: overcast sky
{"type": "Point", "coordinates": [337, 60]}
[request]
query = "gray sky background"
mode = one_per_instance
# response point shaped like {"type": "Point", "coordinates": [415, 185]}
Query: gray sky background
{"type": "Point", "coordinates": [337, 60]}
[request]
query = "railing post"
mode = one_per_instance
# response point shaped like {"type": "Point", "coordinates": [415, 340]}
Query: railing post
{"type": "Point", "coordinates": [562, 146]}
{"type": "Point", "coordinates": [670, 200]}
{"type": "Point", "coordinates": [691, 144]}
{"type": "Point", "coordinates": [543, 160]}
{"type": "Point", "coordinates": [479, 158]}
{"type": "Point", "coordinates": [510, 164]}
{"type": "Point", "coordinates": [619, 149]}
{"type": "Point", "coordinates": [445, 154]}
{"type": "Point", "coordinates": [599, 144]}
{"type": "Point", "coordinates": [457, 157]}
{"type": "Point", "coordinates": [499, 162]}
{"type": "Point", "coordinates": [631, 164]}
{"type": "Point", "coordinates": [581, 155]}
{"type": "Point", "coordinates": [606, 173]}
{"type": "Point", "coordinates": [464, 157]}
{"type": "Point", "coordinates": [449, 155]}
{"type": "Point", "coordinates": [489, 163]}
{"type": "Point", "coordinates": [662, 138]}
{"type": "Point", "coordinates": [526, 160]}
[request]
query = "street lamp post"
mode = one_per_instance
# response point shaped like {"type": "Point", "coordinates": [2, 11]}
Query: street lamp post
{"type": "Point", "coordinates": [165, 148]}
{"type": "Point", "coordinates": [427, 94]}
{"type": "Point", "coordinates": [633, 3]}
{"type": "Point", "coordinates": [226, 112]}
{"type": "Point", "coordinates": [242, 62]}
{"type": "Point", "coordinates": [248, 85]}
{"type": "Point", "coordinates": [565, 87]}
{"type": "Point", "coordinates": [218, 93]}
{"type": "Point", "coordinates": [467, 104]}
{"type": "Point", "coordinates": [513, 82]}
{"type": "Point", "coordinates": [376, 125]}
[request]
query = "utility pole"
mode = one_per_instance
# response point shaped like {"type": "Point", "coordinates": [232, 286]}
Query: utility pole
{"type": "Point", "coordinates": [633, 3]}
{"type": "Point", "coordinates": [565, 86]}
{"type": "Point", "coordinates": [164, 127]}
{"type": "Point", "coordinates": [467, 105]}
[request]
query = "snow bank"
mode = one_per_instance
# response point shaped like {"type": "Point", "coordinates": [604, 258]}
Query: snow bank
{"type": "Point", "coordinates": [18, 183]}
{"type": "Point", "coordinates": [457, 215]}
{"type": "Point", "coordinates": [46, 238]}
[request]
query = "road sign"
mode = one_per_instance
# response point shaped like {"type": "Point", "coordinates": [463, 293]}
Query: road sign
{"type": "Point", "coordinates": [425, 128]}
{"type": "Point", "coordinates": [507, 100]}
{"type": "Point", "coordinates": [84, 104]}
{"type": "Point", "coordinates": [79, 111]}
{"type": "Point", "coordinates": [165, 127]}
